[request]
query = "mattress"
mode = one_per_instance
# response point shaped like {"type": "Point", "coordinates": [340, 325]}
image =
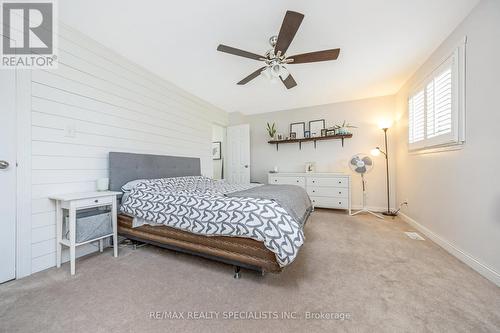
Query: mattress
{"type": "Point", "coordinates": [198, 205]}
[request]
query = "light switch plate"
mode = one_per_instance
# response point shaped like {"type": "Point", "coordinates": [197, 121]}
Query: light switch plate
{"type": "Point", "coordinates": [70, 131]}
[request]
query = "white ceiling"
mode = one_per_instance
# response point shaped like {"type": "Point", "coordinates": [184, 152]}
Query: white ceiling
{"type": "Point", "coordinates": [382, 43]}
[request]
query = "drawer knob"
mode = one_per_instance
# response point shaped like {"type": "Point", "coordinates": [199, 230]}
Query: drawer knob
{"type": "Point", "coordinates": [96, 201]}
{"type": "Point", "coordinates": [297, 181]}
{"type": "Point", "coordinates": [314, 191]}
{"type": "Point", "coordinates": [314, 181]}
{"type": "Point", "coordinates": [340, 203]}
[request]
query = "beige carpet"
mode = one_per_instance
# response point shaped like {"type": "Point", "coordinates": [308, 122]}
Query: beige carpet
{"type": "Point", "coordinates": [357, 268]}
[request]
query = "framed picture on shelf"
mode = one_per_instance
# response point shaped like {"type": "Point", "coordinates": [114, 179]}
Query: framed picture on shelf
{"type": "Point", "coordinates": [323, 132]}
{"type": "Point", "coordinates": [315, 127]}
{"type": "Point", "coordinates": [293, 135]}
{"type": "Point", "coordinates": [330, 132]}
{"type": "Point", "coordinates": [307, 134]}
{"type": "Point", "coordinates": [298, 129]}
{"type": "Point", "coordinates": [216, 150]}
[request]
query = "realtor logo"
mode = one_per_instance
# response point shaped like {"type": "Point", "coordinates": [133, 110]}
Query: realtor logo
{"type": "Point", "coordinates": [28, 35]}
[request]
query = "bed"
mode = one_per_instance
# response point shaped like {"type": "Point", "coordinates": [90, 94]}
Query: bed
{"type": "Point", "coordinates": [168, 203]}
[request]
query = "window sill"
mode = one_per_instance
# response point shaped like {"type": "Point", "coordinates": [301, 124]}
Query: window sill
{"type": "Point", "coordinates": [437, 149]}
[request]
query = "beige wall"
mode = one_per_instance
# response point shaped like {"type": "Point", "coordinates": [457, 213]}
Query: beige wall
{"type": "Point", "coordinates": [455, 195]}
{"type": "Point", "coordinates": [329, 155]}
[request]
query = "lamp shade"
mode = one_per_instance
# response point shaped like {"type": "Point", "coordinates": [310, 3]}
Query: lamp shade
{"type": "Point", "coordinates": [385, 123]}
{"type": "Point", "coordinates": [375, 151]}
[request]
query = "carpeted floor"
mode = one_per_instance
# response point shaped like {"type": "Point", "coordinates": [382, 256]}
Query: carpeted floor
{"type": "Point", "coordinates": [358, 274]}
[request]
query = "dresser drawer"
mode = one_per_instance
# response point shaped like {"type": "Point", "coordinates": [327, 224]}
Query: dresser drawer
{"type": "Point", "coordinates": [329, 182]}
{"type": "Point", "coordinates": [337, 192]}
{"type": "Point", "coordinates": [93, 202]}
{"type": "Point", "coordinates": [277, 180]}
{"type": "Point", "coordinates": [326, 202]}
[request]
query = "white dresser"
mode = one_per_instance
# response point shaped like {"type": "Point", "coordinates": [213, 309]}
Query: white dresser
{"type": "Point", "coordinates": [327, 190]}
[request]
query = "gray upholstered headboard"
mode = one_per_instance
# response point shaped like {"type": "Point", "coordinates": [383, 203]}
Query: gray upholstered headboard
{"type": "Point", "coordinates": [124, 167]}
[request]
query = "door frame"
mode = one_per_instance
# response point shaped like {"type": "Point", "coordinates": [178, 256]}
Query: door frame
{"type": "Point", "coordinates": [23, 172]}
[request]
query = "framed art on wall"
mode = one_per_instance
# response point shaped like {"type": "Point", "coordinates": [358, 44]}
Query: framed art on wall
{"type": "Point", "coordinates": [315, 127]}
{"type": "Point", "coordinates": [216, 150]}
{"type": "Point", "coordinates": [298, 129]}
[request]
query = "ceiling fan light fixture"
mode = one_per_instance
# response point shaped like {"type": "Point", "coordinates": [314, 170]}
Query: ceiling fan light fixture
{"type": "Point", "coordinates": [284, 72]}
{"type": "Point", "coordinates": [267, 73]}
{"type": "Point", "coordinates": [275, 70]}
{"type": "Point", "coordinates": [275, 58]}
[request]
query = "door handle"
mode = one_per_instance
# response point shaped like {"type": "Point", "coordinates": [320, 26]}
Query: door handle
{"type": "Point", "coordinates": [4, 164]}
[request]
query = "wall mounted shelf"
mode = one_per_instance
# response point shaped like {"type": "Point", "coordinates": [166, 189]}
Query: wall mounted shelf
{"type": "Point", "coordinates": [319, 138]}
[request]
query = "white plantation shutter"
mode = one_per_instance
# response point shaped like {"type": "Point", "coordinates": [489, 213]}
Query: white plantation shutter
{"type": "Point", "coordinates": [435, 111]}
{"type": "Point", "coordinates": [439, 104]}
{"type": "Point", "coordinates": [417, 117]}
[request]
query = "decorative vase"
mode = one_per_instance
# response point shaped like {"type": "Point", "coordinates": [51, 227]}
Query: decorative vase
{"type": "Point", "coordinates": [102, 184]}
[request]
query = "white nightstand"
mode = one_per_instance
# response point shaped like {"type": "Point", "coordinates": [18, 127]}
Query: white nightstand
{"type": "Point", "coordinates": [73, 202]}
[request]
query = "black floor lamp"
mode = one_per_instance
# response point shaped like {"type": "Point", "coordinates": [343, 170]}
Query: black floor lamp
{"type": "Point", "coordinates": [376, 152]}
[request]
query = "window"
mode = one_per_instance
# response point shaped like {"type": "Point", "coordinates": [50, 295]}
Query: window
{"type": "Point", "coordinates": [436, 108]}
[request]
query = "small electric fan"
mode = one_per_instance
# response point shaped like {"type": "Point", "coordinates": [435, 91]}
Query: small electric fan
{"type": "Point", "coordinates": [361, 164]}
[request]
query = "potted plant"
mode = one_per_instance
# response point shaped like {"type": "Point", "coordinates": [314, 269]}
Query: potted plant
{"type": "Point", "coordinates": [343, 129]}
{"type": "Point", "coordinates": [271, 130]}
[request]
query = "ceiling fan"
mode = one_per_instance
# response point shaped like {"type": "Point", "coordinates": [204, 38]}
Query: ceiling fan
{"type": "Point", "coordinates": [275, 59]}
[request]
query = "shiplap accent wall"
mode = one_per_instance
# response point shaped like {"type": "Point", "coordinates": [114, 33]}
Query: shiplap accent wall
{"type": "Point", "coordinates": [94, 103]}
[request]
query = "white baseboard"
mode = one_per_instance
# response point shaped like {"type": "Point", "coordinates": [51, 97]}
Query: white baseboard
{"type": "Point", "coordinates": [463, 256]}
{"type": "Point", "coordinates": [49, 260]}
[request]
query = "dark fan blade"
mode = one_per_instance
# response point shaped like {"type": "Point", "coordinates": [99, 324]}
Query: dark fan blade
{"type": "Point", "coordinates": [289, 27]}
{"type": "Point", "coordinates": [354, 161]}
{"type": "Point", "coordinates": [251, 76]}
{"type": "Point", "coordinates": [367, 160]}
{"type": "Point", "coordinates": [315, 56]}
{"type": "Point", "coordinates": [361, 169]}
{"type": "Point", "coordinates": [289, 82]}
{"type": "Point", "coordinates": [238, 52]}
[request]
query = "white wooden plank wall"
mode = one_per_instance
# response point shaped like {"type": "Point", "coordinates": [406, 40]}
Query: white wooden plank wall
{"type": "Point", "coordinates": [110, 104]}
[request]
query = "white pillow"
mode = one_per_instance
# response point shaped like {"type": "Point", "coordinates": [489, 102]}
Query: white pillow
{"type": "Point", "coordinates": [131, 184]}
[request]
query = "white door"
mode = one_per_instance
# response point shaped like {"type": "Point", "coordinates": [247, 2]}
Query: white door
{"type": "Point", "coordinates": [7, 175]}
{"type": "Point", "coordinates": [238, 154]}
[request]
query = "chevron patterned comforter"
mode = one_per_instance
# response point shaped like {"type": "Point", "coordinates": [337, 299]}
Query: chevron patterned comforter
{"type": "Point", "coordinates": [197, 204]}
